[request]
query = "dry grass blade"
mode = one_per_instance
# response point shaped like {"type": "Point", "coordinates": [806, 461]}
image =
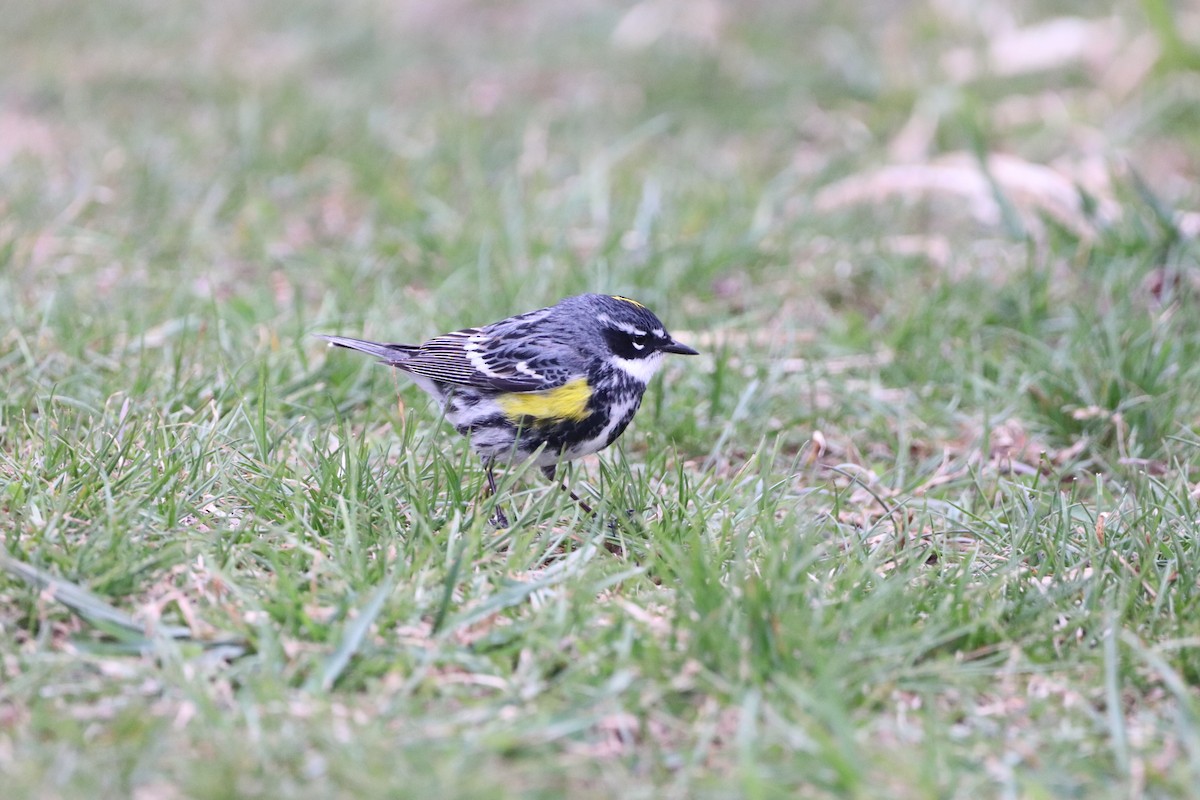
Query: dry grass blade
{"type": "Point", "coordinates": [106, 617]}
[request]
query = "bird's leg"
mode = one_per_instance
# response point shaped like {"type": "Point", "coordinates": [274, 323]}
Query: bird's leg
{"type": "Point", "coordinates": [610, 545]}
{"type": "Point", "coordinates": [499, 519]}
{"type": "Point", "coordinates": [550, 472]}
{"type": "Point", "coordinates": [586, 508]}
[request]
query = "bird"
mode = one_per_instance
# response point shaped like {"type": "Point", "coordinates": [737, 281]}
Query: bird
{"type": "Point", "coordinates": [550, 385]}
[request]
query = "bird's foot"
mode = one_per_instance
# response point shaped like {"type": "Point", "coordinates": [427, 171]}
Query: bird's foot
{"type": "Point", "coordinates": [630, 517]}
{"type": "Point", "coordinates": [618, 526]}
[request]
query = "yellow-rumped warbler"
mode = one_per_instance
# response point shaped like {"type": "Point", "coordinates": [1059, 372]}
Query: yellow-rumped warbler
{"type": "Point", "coordinates": [553, 384]}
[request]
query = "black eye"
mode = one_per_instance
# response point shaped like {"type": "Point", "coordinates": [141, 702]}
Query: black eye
{"type": "Point", "coordinates": [640, 341]}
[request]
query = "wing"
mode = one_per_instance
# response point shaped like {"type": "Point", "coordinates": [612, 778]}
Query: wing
{"type": "Point", "coordinates": [505, 357]}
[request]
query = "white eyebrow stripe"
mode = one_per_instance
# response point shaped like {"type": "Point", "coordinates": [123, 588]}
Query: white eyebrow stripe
{"type": "Point", "coordinates": [632, 330]}
{"type": "Point", "coordinates": [659, 333]}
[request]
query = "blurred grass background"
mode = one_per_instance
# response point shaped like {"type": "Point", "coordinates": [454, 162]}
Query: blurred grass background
{"type": "Point", "coordinates": [921, 521]}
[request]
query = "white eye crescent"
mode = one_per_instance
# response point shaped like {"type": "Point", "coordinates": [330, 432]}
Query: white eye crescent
{"type": "Point", "coordinates": [637, 346]}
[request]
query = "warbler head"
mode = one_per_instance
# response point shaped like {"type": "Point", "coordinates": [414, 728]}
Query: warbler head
{"type": "Point", "coordinates": [628, 335]}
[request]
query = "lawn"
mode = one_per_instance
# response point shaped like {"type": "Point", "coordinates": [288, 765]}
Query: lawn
{"type": "Point", "coordinates": [920, 521]}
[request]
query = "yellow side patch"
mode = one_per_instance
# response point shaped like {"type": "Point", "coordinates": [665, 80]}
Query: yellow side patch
{"type": "Point", "coordinates": [567, 402]}
{"type": "Point", "coordinates": [627, 300]}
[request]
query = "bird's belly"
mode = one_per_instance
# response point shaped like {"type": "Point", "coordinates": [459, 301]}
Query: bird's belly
{"type": "Point", "coordinates": [467, 409]}
{"type": "Point", "coordinates": [478, 417]}
{"type": "Point", "coordinates": [496, 438]}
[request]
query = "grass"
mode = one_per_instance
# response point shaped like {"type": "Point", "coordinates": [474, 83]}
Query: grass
{"type": "Point", "coordinates": [921, 521]}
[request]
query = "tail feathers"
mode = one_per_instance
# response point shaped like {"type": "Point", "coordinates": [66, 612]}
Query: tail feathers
{"type": "Point", "coordinates": [388, 353]}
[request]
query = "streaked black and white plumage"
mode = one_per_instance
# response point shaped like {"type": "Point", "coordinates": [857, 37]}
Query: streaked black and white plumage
{"type": "Point", "coordinates": [553, 384]}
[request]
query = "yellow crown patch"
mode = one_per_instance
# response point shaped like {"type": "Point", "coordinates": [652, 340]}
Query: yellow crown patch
{"type": "Point", "coordinates": [627, 300]}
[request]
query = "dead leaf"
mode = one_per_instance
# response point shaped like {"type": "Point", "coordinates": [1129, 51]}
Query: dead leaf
{"type": "Point", "coordinates": [1032, 188]}
{"type": "Point", "coordinates": [650, 21]}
